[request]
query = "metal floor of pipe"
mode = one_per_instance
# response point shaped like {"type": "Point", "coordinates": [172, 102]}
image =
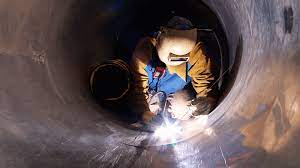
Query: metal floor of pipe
{"type": "Point", "coordinates": [48, 118]}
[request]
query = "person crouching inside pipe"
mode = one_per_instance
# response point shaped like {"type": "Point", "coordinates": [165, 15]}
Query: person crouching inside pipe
{"type": "Point", "coordinates": [170, 62]}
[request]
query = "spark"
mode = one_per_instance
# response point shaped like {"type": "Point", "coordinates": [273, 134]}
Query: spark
{"type": "Point", "coordinates": [115, 148]}
{"type": "Point", "coordinates": [223, 156]}
{"type": "Point", "coordinates": [96, 157]}
{"type": "Point", "coordinates": [169, 131]}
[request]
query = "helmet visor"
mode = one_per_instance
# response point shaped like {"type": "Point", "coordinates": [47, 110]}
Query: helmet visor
{"type": "Point", "coordinates": [175, 45]}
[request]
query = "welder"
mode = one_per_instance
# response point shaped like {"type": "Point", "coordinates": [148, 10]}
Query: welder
{"type": "Point", "coordinates": [169, 62]}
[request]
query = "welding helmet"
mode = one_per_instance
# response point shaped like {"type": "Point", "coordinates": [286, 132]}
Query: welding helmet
{"type": "Point", "coordinates": [175, 41]}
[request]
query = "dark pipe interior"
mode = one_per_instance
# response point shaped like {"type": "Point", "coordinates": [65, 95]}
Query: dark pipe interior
{"type": "Point", "coordinates": [49, 119]}
{"type": "Point", "coordinates": [145, 19]}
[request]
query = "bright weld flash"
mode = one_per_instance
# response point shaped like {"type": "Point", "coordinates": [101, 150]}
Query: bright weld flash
{"type": "Point", "coordinates": [168, 131]}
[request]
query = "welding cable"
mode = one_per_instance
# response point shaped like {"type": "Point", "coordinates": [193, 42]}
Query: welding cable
{"type": "Point", "coordinates": [119, 64]}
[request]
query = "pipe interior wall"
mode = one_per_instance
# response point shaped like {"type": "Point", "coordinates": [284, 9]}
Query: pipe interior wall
{"type": "Point", "coordinates": [48, 118]}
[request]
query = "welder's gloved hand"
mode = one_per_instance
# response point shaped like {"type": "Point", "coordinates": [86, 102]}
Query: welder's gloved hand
{"type": "Point", "coordinates": [156, 101]}
{"type": "Point", "coordinates": [180, 106]}
{"type": "Point", "coordinates": [204, 105]}
{"type": "Point", "coordinates": [148, 116]}
{"type": "Point", "coordinates": [154, 108]}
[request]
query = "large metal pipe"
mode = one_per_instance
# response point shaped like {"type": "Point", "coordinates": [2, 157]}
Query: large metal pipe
{"type": "Point", "coordinates": [48, 119]}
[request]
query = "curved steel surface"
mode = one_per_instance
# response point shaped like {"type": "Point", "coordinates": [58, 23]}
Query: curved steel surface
{"type": "Point", "coordinates": [48, 119]}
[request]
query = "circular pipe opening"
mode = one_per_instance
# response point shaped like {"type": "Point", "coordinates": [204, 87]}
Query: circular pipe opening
{"type": "Point", "coordinates": [143, 19]}
{"type": "Point", "coordinates": [49, 118]}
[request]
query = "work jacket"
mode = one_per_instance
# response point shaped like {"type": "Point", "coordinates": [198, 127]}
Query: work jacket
{"type": "Point", "coordinates": [197, 71]}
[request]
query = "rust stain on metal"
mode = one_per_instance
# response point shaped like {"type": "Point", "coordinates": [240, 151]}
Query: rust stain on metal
{"type": "Point", "coordinates": [267, 128]}
{"type": "Point", "coordinates": [39, 56]}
